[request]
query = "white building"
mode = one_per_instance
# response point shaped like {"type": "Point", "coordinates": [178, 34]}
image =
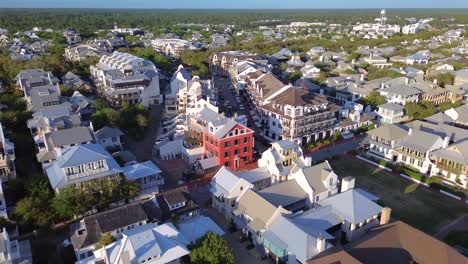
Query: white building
{"type": "Point", "coordinates": [125, 78]}
{"type": "Point", "coordinates": [148, 243]}
{"type": "Point", "coordinates": [391, 113]}
{"type": "Point", "coordinates": [14, 251]}
{"type": "Point", "coordinates": [411, 29]}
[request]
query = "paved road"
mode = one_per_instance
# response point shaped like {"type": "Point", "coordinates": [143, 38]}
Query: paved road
{"type": "Point", "coordinates": [337, 149]}
{"type": "Point", "coordinates": [459, 224]}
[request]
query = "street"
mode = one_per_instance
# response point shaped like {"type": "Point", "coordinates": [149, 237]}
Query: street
{"type": "Point", "coordinates": [143, 149]}
{"type": "Point", "coordinates": [339, 148]}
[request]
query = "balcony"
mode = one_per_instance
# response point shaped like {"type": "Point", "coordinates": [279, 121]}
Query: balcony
{"type": "Point", "coordinates": [87, 173]}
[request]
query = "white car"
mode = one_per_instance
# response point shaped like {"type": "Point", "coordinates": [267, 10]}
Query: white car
{"type": "Point", "coordinates": [347, 135]}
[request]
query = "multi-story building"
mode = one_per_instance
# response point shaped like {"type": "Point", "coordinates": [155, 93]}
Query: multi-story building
{"type": "Point", "coordinates": [281, 157]}
{"type": "Point", "coordinates": [125, 78]}
{"type": "Point", "coordinates": [391, 113]}
{"type": "Point", "coordinates": [14, 251]}
{"type": "Point", "coordinates": [196, 95]}
{"type": "Point", "coordinates": [298, 115]}
{"type": "Point", "coordinates": [401, 94]}
{"type": "Point", "coordinates": [230, 142]}
{"type": "Point", "coordinates": [172, 47]}
{"type": "Point", "coordinates": [288, 112]}
{"type": "Point", "coordinates": [7, 157]}
{"type": "Point", "coordinates": [40, 88]}
{"type": "Point", "coordinates": [83, 52]}
{"type": "Point", "coordinates": [81, 166]}
{"type": "Point", "coordinates": [221, 62]}
{"type": "Point", "coordinates": [87, 232]}
{"type": "Point", "coordinates": [452, 163]}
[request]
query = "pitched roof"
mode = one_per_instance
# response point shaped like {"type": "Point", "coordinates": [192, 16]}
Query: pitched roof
{"type": "Point", "coordinates": [140, 170]}
{"type": "Point", "coordinates": [352, 206]}
{"type": "Point", "coordinates": [392, 106]}
{"type": "Point", "coordinates": [390, 132]}
{"type": "Point", "coordinates": [296, 96]}
{"type": "Point", "coordinates": [316, 176]}
{"type": "Point", "coordinates": [456, 152]}
{"type": "Point", "coordinates": [420, 141]}
{"type": "Point", "coordinates": [283, 194]}
{"type": "Point", "coordinates": [78, 155]}
{"type": "Point", "coordinates": [224, 182]}
{"type": "Point", "coordinates": [400, 243]}
{"type": "Point", "coordinates": [76, 135]}
{"type": "Point", "coordinates": [296, 239]}
{"type": "Point", "coordinates": [404, 90]}
{"type": "Point", "coordinates": [257, 208]}
{"type": "Point", "coordinates": [108, 132]}
{"type": "Point", "coordinates": [98, 224]}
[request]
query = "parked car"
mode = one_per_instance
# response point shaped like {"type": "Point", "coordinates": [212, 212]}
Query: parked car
{"type": "Point", "coordinates": [347, 135]}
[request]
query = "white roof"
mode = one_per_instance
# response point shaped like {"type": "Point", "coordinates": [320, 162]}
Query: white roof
{"type": "Point", "coordinates": [197, 227]}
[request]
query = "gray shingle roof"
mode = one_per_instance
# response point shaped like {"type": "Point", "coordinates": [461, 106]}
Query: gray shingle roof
{"type": "Point", "coordinates": [97, 225]}
{"type": "Point", "coordinates": [76, 135]}
{"type": "Point", "coordinates": [108, 132]}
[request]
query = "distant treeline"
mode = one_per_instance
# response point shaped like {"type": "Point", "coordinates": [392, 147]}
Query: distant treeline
{"type": "Point", "coordinates": [87, 21]}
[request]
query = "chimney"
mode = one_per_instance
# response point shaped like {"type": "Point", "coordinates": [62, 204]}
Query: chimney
{"type": "Point", "coordinates": [347, 183]}
{"type": "Point", "coordinates": [410, 132]}
{"type": "Point", "coordinates": [382, 85]}
{"type": "Point", "coordinates": [446, 142]}
{"type": "Point", "coordinates": [362, 77]}
{"type": "Point", "coordinates": [406, 80]}
{"type": "Point", "coordinates": [385, 215]}
{"type": "Point", "coordinates": [435, 81]}
{"type": "Point", "coordinates": [308, 161]}
{"type": "Point", "coordinates": [320, 244]}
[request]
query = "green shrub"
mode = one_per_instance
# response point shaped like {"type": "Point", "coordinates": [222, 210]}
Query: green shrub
{"type": "Point", "coordinates": [440, 186]}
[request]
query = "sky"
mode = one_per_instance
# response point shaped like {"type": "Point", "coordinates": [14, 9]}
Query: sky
{"type": "Point", "coordinates": [234, 4]}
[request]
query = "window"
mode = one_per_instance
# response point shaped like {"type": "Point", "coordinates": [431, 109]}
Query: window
{"type": "Point", "coordinates": [227, 144]}
{"type": "Point", "coordinates": [316, 198]}
{"type": "Point", "coordinates": [246, 139]}
{"type": "Point", "coordinates": [236, 142]}
{"type": "Point", "coordinates": [331, 182]}
{"type": "Point", "coordinates": [246, 149]}
{"type": "Point", "coordinates": [236, 152]}
{"type": "Point", "coordinates": [236, 132]}
{"type": "Point", "coordinates": [226, 154]}
{"type": "Point", "coordinates": [114, 139]}
{"type": "Point", "coordinates": [226, 163]}
{"type": "Point", "coordinates": [420, 163]}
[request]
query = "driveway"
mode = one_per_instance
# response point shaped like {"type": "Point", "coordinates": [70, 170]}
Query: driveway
{"type": "Point", "coordinates": [336, 149]}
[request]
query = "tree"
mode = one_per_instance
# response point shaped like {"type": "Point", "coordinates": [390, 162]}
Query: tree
{"type": "Point", "coordinates": [447, 105]}
{"type": "Point", "coordinates": [420, 110]}
{"type": "Point", "coordinates": [5, 223]}
{"type": "Point", "coordinates": [211, 249]}
{"type": "Point", "coordinates": [337, 135]}
{"type": "Point", "coordinates": [130, 189]}
{"type": "Point", "coordinates": [443, 79]}
{"type": "Point", "coordinates": [35, 208]}
{"type": "Point", "coordinates": [70, 202]}
{"type": "Point", "coordinates": [66, 91]}
{"type": "Point", "coordinates": [295, 76]}
{"type": "Point", "coordinates": [106, 239]}
{"type": "Point", "coordinates": [373, 99]}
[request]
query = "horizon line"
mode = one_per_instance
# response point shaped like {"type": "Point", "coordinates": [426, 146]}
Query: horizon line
{"type": "Point", "coordinates": [246, 9]}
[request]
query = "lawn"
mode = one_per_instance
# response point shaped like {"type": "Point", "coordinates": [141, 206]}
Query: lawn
{"type": "Point", "coordinates": [413, 204]}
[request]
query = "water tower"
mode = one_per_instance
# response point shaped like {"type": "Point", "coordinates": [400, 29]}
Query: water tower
{"type": "Point", "coordinates": [382, 17]}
